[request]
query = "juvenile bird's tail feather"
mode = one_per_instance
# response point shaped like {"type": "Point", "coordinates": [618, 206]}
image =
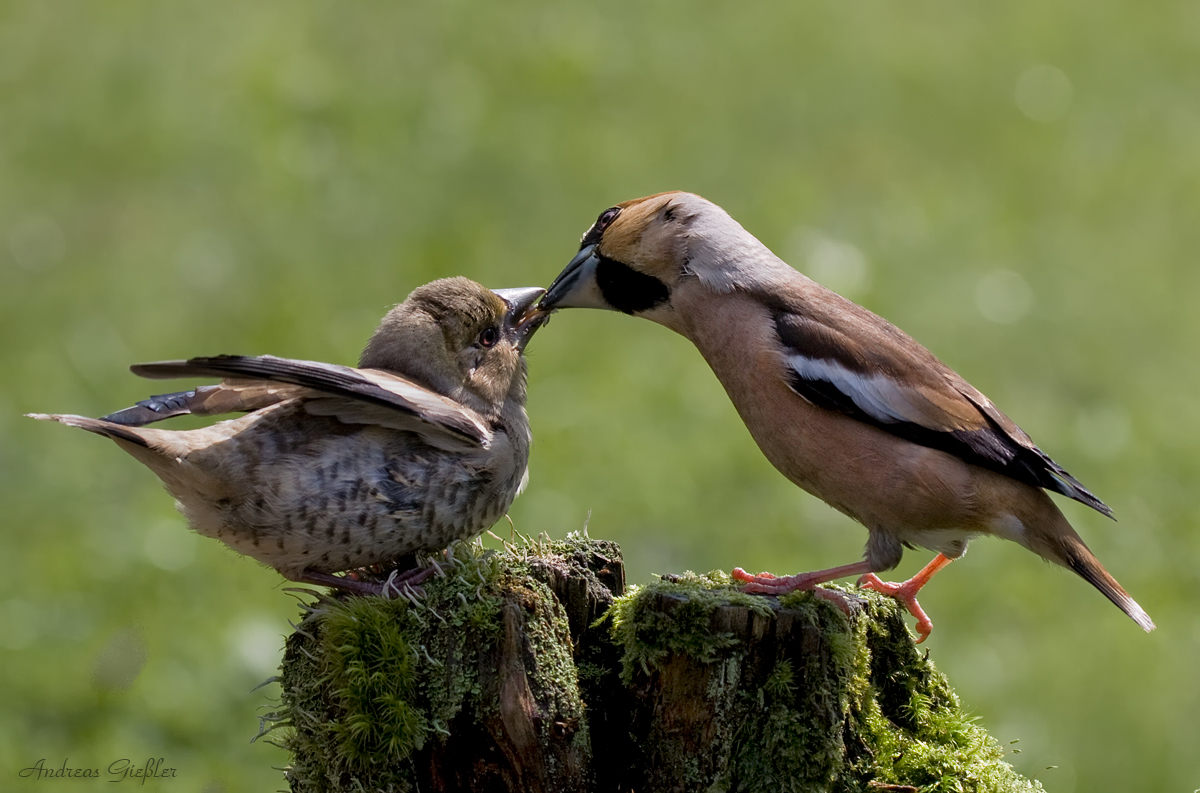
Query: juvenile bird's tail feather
{"type": "Point", "coordinates": [98, 426]}
{"type": "Point", "coordinates": [1079, 558]}
{"type": "Point", "coordinates": [162, 451]}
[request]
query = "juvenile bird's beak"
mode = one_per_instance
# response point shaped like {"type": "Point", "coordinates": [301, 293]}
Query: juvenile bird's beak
{"type": "Point", "coordinates": [576, 285]}
{"type": "Point", "coordinates": [523, 316]}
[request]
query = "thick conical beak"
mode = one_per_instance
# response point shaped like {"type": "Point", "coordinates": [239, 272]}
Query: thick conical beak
{"type": "Point", "coordinates": [522, 316]}
{"type": "Point", "coordinates": [576, 285]}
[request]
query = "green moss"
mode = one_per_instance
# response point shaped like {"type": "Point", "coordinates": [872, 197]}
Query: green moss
{"type": "Point", "coordinates": [909, 720]}
{"type": "Point", "coordinates": [792, 738]}
{"type": "Point", "coordinates": [861, 705]}
{"type": "Point", "coordinates": [370, 674]}
{"type": "Point", "coordinates": [367, 681]}
{"type": "Point", "coordinates": [650, 635]}
{"type": "Point", "coordinates": [550, 642]}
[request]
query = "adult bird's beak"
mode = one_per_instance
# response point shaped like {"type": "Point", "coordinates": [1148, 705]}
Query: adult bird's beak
{"type": "Point", "coordinates": [576, 285]}
{"type": "Point", "coordinates": [523, 316]}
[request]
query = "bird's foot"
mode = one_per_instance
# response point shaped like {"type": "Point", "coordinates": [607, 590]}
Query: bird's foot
{"type": "Point", "coordinates": [770, 584]}
{"type": "Point", "coordinates": [407, 583]}
{"type": "Point", "coordinates": [400, 583]}
{"type": "Point", "coordinates": [906, 593]}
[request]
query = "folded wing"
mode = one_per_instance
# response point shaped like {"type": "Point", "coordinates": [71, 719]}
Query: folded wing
{"type": "Point", "coordinates": [852, 361]}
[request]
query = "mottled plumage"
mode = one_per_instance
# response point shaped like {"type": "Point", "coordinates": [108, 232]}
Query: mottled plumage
{"type": "Point", "coordinates": [843, 403]}
{"type": "Point", "coordinates": [335, 468]}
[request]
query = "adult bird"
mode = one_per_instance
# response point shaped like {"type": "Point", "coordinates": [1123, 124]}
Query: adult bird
{"type": "Point", "coordinates": [335, 468]}
{"type": "Point", "coordinates": [844, 404]}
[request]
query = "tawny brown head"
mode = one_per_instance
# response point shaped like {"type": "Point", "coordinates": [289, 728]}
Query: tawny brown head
{"type": "Point", "coordinates": [639, 252]}
{"type": "Point", "coordinates": [460, 339]}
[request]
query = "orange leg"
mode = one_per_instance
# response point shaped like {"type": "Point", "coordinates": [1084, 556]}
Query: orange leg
{"type": "Point", "coordinates": [906, 592]}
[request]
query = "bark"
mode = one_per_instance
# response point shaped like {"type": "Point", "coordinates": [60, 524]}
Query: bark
{"type": "Point", "coordinates": [528, 671]}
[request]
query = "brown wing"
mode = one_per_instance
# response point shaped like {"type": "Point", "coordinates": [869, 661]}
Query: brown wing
{"type": "Point", "coordinates": [844, 358]}
{"type": "Point", "coordinates": [230, 396]}
{"type": "Point", "coordinates": [353, 395]}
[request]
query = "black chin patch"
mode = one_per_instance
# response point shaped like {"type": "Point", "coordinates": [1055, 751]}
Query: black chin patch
{"type": "Point", "coordinates": [627, 290]}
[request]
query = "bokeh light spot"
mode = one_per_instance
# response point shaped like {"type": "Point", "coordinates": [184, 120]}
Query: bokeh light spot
{"type": "Point", "coordinates": [1003, 296]}
{"type": "Point", "coordinates": [833, 263]}
{"type": "Point", "coordinates": [256, 643]}
{"type": "Point", "coordinates": [1043, 93]}
{"type": "Point", "coordinates": [120, 661]}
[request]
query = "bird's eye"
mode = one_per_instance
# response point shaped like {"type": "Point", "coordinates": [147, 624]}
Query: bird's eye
{"type": "Point", "coordinates": [489, 337]}
{"type": "Point", "coordinates": [606, 218]}
{"type": "Point", "coordinates": [592, 236]}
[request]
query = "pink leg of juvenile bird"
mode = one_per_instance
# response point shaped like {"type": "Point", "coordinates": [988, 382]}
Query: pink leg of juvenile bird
{"type": "Point", "coordinates": [338, 582]}
{"type": "Point", "coordinates": [397, 583]}
{"type": "Point", "coordinates": [906, 592]}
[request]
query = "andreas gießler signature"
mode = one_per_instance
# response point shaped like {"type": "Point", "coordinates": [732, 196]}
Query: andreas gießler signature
{"type": "Point", "coordinates": [117, 771]}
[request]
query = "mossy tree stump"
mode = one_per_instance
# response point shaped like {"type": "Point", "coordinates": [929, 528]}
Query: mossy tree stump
{"type": "Point", "coordinates": [533, 669]}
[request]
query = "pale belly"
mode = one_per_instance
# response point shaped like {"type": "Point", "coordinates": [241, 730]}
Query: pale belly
{"type": "Point", "coordinates": [345, 498]}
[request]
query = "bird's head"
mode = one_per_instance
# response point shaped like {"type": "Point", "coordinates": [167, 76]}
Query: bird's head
{"type": "Point", "coordinates": [638, 254]}
{"type": "Point", "coordinates": [460, 339]}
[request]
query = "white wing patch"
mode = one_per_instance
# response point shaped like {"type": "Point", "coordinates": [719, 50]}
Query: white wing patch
{"type": "Point", "coordinates": [876, 395]}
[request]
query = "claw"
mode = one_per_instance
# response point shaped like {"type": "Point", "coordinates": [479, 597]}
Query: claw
{"type": "Point", "coordinates": [906, 592]}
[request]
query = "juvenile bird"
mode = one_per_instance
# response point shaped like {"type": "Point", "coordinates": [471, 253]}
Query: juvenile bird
{"type": "Point", "coordinates": [335, 468]}
{"type": "Point", "coordinates": [843, 403]}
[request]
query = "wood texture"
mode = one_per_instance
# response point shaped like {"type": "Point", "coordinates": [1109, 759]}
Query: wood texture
{"type": "Point", "coordinates": [530, 677]}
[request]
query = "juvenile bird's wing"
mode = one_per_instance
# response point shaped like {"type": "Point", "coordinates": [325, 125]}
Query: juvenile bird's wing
{"type": "Point", "coordinates": [230, 396]}
{"type": "Point", "coordinates": [354, 396]}
{"type": "Point", "coordinates": [842, 357]}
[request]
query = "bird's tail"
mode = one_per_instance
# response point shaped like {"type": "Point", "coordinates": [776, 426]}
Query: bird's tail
{"type": "Point", "coordinates": [1075, 555]}
{"type": "Point", "coordinates": [159, 450]}
{"type": "Point", "coordinates": [108, 429]}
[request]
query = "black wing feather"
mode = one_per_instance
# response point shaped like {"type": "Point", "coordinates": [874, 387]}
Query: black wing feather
{"type": "Point", "coordinates": [156, 408]}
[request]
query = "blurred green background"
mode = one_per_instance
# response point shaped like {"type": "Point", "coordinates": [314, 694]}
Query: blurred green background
{"type": "Point", "coordinates": [1015, 184]}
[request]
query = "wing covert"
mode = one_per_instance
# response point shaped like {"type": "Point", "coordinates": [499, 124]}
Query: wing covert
{"type": "Point", "coordinates": [361, 395]}
{"type": "Point", "coordinates": [857, 364]}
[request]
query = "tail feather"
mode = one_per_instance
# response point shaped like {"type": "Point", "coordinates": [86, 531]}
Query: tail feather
{"type": "Point", "coordinates": [99, 426]}
{"type": "Point", "coordinates": [1079, 558]}
{"type": "Point", "coordinates": [162, 451]}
